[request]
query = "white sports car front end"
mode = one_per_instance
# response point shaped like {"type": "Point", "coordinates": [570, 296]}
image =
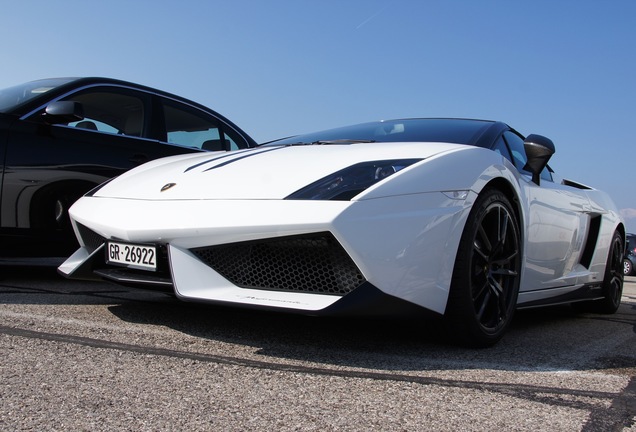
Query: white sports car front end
{"type": "Point", "coordinates": [378, 218]}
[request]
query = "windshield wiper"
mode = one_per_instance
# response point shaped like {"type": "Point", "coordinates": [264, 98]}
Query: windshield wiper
{"type": "Point", "coordinates": [327, 142]}
{"type": "Point", "coordinates": [342, 141]}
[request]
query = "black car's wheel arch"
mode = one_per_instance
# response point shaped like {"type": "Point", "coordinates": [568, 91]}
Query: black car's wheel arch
{"type": "Point", "coordinates": [42, 205]}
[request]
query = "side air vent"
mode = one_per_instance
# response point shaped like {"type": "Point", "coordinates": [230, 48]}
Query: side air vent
{"type": "Point", "coordinates": [313, 263]}
{"type": "Point", "coordinates": [590, 242]}
{"type": "Point", "coordinates": [91, 239]}
{"type": "Point", "coordinates": [575, 184]}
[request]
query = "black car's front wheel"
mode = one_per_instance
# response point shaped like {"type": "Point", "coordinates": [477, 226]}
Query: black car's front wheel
{"type": "Point", "coordinates": [485, 283]}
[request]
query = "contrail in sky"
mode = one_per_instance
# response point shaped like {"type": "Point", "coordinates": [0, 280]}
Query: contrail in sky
{"type": "Point", "coordinates": [372, 16]}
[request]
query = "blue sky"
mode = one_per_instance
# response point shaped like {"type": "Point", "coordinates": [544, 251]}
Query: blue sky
{"type": "Point", "coordinates": [564, 69]}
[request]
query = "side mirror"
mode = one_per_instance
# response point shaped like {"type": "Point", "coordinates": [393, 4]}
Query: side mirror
{"type": "Point", "coordinates": [539, 150]}
{"type": "Point", "coordinates": [63, 112]}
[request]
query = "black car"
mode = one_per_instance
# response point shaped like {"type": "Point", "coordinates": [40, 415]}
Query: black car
{"type": "Point", "coordinates": [61, 137]}
{"type": "Point", "coordinates": [630, 255]}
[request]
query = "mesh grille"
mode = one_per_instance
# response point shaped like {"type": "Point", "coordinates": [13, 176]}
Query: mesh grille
{"type": "Point", "coordinates": [91, 239]}
{"type": "Point", "coordinates": [314, 263]}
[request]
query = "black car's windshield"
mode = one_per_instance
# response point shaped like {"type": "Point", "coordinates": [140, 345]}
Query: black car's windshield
{"type": "Point", "coordinates": [457, 131]}
{"type": "Point", "coordinates": [11, 97]}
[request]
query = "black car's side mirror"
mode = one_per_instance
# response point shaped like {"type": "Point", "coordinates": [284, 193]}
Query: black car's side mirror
{"type": "Point", "coordinates": [63, 112]}
{"type": "Point", "coordinates": [539, 150]}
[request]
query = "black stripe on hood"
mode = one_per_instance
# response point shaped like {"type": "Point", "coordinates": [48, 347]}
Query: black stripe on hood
{"type": "Point", "coordinates": [226, 155]}
{"type": "Point", "coordinates": [215, 159]}
{"type": "Point", "coordinates": [243, 157]}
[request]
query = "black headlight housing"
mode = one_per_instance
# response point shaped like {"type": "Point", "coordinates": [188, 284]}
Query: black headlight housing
{"type": "Point", "coordinates": [345, 184]}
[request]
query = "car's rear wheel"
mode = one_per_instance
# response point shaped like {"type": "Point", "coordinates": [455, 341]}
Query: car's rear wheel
{"type": "Point", "coordinates": [627, 267]}
{"type": "Point", "coordinates": [612, 286]}
{"type": "Point", "coordinates": [485, 283]}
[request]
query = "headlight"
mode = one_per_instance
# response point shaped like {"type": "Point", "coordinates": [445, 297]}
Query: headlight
{"type": "Point", "coordinates": [349, 182]}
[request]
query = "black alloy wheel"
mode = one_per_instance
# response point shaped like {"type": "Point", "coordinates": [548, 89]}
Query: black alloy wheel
{"type": "Point", "coordinates": [614, 277]}
{"type": "Point", "coordinates": [486, 276]}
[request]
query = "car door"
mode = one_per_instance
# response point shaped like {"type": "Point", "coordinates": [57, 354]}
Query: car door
{"type": "Point", "coordinates": [556, 226]}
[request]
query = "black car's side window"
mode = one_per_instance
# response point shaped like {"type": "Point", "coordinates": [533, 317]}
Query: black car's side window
{"type": "Point", "coordinates": [190, 127]}
{"type": "Point", "coordinates": [111, 110]}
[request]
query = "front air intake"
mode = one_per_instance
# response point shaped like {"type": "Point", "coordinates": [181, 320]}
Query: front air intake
{"type": "Point", "coordinates": [310, 263]}
{"type": "Point", "coordinates": [91, 239]}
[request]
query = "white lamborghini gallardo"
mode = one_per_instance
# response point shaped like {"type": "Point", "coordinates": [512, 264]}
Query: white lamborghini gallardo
{"type": "Point", "coordinates": [459, 218]}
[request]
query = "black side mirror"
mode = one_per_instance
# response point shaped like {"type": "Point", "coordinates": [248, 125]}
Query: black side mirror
{"type": "Point", "coordinates": [63, 112]}
{"type": "Point", "coordinates": [539, 150]}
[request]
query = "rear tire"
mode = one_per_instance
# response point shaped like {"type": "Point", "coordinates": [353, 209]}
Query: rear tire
{"type": "Point", "coordinates": [486, 276]}
{"type": "Point", "coordinates": [613, 280]}
{"type": "Point", "coordinates": [627, 267]}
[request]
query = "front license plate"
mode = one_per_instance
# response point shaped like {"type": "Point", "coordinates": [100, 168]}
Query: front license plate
{"type": "Point", "coordinates": [131, 255]}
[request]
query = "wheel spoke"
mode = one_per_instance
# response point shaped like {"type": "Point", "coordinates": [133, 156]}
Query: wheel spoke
{"type": "Point", "coordinates": [507, 259]}
{"type": "Point", "coordinates": [484, 238]}
{"type": "Point", "coordinates": [496, 259]}
{"type": "Point", "coordinates": [495, 286]}
{"type": "Point", "coordinates": [504, 224]}
{"type": "Point", "coordinates": [480, 292]}
{"type": "Point", "coordinates": [502, 230]}
{"type": "Point", "coordinates": [505, 272]}
{"type": "Point", "coordinates": [498, 290]}
{"type": "Point", "coordinates": [482, 306]}
{"type": "Point", "coordinates": [617, 269]}
{"type": "Point", "coordinates": [480, 252]}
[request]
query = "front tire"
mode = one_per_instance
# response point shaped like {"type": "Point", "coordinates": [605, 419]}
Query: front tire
{"type": "Point", "coordinates": [486, 276]}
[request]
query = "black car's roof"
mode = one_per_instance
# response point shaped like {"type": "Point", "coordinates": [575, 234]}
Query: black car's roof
{"type": "Point", "coordinates": [474, 132]}
{"type": "Point", "coordinates": [62, 86]}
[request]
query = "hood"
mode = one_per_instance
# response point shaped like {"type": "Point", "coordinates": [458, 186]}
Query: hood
{"type": "Point", "coordinates": [266, 172]}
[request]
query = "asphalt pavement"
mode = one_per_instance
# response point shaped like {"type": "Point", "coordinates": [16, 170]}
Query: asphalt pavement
{"type": "Point", "coordinates": [97, 356]}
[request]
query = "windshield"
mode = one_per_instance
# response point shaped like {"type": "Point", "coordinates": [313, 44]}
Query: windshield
{"type": "Point", "coordinates": [17, 95]}
{"type": "Point", "coordinates": [457, 131]}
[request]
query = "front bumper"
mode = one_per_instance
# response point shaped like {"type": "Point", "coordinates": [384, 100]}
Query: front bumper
{"type": "Point", "coordinates": [404, 247]}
